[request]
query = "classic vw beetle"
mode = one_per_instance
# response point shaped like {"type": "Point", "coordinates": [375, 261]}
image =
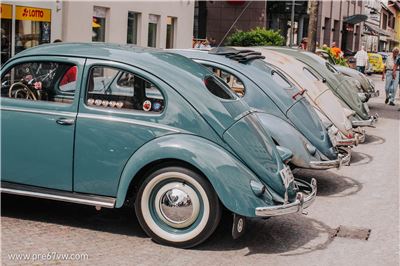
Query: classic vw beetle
{"type": "Point", "coordinates": [115, 124]}
{"type": "Point", "coordinates": [318, 94]}
{"type": "Point", "coordinates": [366, 88]}
{"type": "Point", "coordinates": [284, 112]}
{"type": "Point", "coordinates": [342, 87]}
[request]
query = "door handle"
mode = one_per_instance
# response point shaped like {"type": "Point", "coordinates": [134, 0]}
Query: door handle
{"type": "Point", "coordinates": [65, 121]}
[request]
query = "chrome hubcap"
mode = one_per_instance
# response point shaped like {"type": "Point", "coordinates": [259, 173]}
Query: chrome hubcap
{"type": "Point", "coordinates": [177, 204]}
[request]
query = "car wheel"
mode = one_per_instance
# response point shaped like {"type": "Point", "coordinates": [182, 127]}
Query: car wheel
{"type": "Point", "coordinates": [178, 207]}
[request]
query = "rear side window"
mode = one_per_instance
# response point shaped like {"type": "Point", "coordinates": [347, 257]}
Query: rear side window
{"type": "Point", "coordinates": [218, 88]}
{"type": "Point", "coordinates": [234, 83]}
{"type": "Point", "coordinates": [118, 89]}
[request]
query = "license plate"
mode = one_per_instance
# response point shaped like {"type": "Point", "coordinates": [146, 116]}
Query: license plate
{"type": "Point", "coordinates": [366, 107]}
{"type": "Point", "coordinates": [287, 176]}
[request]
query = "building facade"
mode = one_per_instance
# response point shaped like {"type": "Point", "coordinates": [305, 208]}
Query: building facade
{"type": "Point", "coordinates": [154, 24]}
{"type": "Point", "coordinates": [341, 22]}
{"type": "Point", "coordinates": [213, 19]}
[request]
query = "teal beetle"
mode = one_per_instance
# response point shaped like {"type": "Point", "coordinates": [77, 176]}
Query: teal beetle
{"type": "Point", "coordinates": [106, 125]}
{"type": "Point", "coordinates": [283, 111]}
{"type": "Point", "coordinates": [343, 87]}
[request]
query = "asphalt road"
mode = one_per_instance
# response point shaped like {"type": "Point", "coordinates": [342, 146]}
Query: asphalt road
{"type": "Point", "coordinates": [356, 199]}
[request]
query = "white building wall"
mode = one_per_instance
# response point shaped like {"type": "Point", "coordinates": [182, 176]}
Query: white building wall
{"type": "Point", "coordinates": [77, 21]}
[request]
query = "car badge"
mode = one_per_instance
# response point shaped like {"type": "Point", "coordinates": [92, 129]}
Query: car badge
{"type": "Point", "coordinates": [156, 106]}
{"type": "Point", "coordinates": [98, 102]}
{"type": "Point", "coordinates": [119, 104]}
{"type": "Point", "coordinates": [113, 103]}
{"type": "Point", "coordinates": [147, 105]}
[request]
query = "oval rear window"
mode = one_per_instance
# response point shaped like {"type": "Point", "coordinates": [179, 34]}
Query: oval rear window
{"type": "Point", "coordinates": [218, 88]}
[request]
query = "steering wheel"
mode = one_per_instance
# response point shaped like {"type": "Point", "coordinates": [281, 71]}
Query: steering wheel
{"type": "Point", "coordinates": [21, 91]}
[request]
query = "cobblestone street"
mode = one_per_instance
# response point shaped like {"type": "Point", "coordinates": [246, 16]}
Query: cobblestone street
{"type": "Point", "coordinates": [364, 196]}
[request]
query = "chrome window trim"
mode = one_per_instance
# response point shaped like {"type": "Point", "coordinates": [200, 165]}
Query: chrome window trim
{"type": "Point", "coordinates": [128, 121]}
{"type": "Point", "coordinates": [35, 111]}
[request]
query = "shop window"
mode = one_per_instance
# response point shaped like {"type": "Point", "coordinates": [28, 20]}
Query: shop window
{"type": "Point", "coordinates": [153, 28]}
{"type": "Point", "coordinates": [32, 27]}
{"type": "Point", "coordinates": [171, 25]}
{"type": "Point", "coordinates": [118, 89]}
{"type": "Point", "coordinates": [6, 15]}
{"type": "Point", "coordinates": [40, 81]}
{"type": "Point", "coordinates": [99, 24]}
{"type": "Point", "coordinates": [133, 25]}
{"type": "Point", "coordinates": [234, 83]}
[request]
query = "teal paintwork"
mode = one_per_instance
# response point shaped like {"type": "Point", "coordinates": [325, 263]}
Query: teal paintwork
{"type": "Point", "coordinates": [102, 152]}
{"type": "Point", "coordinates": [341, 86]}
{"type": "Point", "coordinates": [264, 94]}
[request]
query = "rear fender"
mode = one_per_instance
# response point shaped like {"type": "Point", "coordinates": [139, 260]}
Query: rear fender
{"type": "Point", "coordinates": [229, 177]}
{"type": "Point", "coordinates": [289, 137]}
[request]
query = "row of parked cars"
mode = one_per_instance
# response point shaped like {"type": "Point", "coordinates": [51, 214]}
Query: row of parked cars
{"type": "Point", "coordinates": [180, 135]}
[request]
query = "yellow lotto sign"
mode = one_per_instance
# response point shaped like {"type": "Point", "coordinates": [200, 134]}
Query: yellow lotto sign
{"type": "Point", "coordinates": [6, 11]}
{"type": "Point", "coordinates": [32, 14]}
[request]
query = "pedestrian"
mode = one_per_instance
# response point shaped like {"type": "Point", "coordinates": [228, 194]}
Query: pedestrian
{"type": "Point", "coordinates": [361, 60]}
{"type": "Point", "coordinates": [391, 72]}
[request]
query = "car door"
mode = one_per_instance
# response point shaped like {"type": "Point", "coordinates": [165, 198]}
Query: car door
{"type": "Point", "coordinates": [39, 101]}
{"type": "Point", "coordinates": [120, 110]}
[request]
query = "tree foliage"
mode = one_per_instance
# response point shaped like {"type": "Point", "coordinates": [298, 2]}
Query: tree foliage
{"type": "Point", "coordinates": [256, 37]}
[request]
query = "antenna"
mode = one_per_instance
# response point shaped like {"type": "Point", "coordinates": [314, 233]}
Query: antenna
{"type": "Point", "coordinates": [233, 24]}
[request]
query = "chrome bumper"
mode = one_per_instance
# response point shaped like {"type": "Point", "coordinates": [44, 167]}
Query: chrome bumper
{"type": "Point", "coordinates": [304, 198]}
{"type": "Point", "coordinates": [360, 133]}
{"type": "Point", "coordinates": [344, 158]}
{"type": "Point", "coordinates": [365, 123]}
{"type": "Point", "coordinates": [373, 94]}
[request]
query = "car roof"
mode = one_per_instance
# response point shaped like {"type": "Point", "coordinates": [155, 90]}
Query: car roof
{"type": "Point", "coordinates": [175, 69]}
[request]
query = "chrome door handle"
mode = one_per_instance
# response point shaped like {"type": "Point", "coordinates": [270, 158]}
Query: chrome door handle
{"type": "Point", "coordinates": [65, 121]}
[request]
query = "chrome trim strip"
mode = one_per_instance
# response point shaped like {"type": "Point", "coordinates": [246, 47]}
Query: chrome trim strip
{"type": "Point", "coordinates": [93, 200]}
{"type": "Point", "coordinates": [301, 202]}
{"type": "Point", "coordinates": [128, 121]}
{"type": "Point", "coordinates": [35, 111]}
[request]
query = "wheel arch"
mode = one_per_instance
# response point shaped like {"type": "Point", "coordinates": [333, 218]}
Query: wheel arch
{"type": "Point", "coordinates": [227, 175]}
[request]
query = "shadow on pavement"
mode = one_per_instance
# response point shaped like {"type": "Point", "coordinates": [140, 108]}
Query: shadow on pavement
{"type": "Point", "coordinates": [118, 221]}
{"type": "Point", "coordinates": [373, 140]}
{"type": "Point", "coordinates": [330, 184]}
{"type": "Point", "coordinates": [360, 158]}
{"type": "Point", "coordinates": [384, 110]}
{"type": "Point", "coordinates": [290, 235]}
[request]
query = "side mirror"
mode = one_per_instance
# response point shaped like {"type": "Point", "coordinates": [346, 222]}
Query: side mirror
{"type": "Point", "coordinates": [285, 154]}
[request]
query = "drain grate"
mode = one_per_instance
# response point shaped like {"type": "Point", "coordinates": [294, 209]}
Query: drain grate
{"type": "Point", "coordinates": [352, 232]}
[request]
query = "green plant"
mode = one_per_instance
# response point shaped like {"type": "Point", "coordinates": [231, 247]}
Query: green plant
{"type": "Point", "coordinates": [256, 37]}
{"type": "Point", "coordinates": [339, 60]}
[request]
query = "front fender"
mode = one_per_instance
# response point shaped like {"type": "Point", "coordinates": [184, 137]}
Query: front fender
{"type": "Point", "coordinates": [289, 137]}
{"type": "Point", "coordinates": [229, 177]}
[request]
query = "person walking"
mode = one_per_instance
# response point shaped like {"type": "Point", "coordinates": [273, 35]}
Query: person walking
{"type": "Point", "coordinates": [391, 72]}
{"type": "Point", "coordinates": [361, 60]}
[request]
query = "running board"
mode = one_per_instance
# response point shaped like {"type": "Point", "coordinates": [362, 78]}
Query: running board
{"type": "Point", "coordinates": [45, 193]}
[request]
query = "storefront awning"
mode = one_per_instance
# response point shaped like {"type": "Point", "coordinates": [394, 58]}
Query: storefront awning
{"type": "Point", "coordinates": [374, 30]}
{"type": "Point", "coordinates": [354, 19]}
